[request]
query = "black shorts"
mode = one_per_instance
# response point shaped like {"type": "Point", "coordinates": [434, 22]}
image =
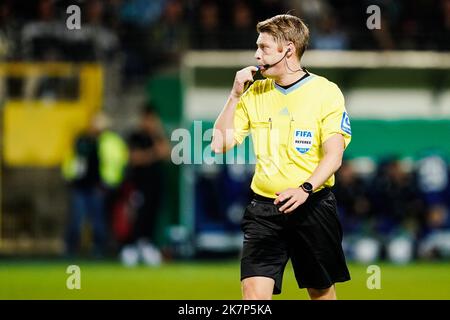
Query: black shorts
{"type": "Point", "coordinates": [311, 236]}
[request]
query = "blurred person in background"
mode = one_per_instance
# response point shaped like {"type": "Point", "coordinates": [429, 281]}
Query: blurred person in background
{"type": "Point", "coordinates": [395, 198]}
{"type": "Point", "coordinates": [41, 38]}
{"type": "Point", "coordinates": [310, 10]}
{"type": "Point", "coordinates": [207, 32]}
{"type": "Point", "coordinates": [149, 148]}
{"type": "Point", "coordinates": [265, 8]}
{"type": "Point", "coordinates": [137, 18]}
{"type": "Point", "coordinates": [353, 199]}
{"type": "Point", "coordinates": [170, 35]}
{"type": "Point", "coordinates": [441, 30]}
{"type": "Point", "coordinates": [241, 33]}
{"type": "Point", "coordinates": [385, 36]}
{"type": "Point", "coordinates": [397, 208]}
{"type": "Point", "coordinates": [300, 129]}
{"type": "Point", "coordinates": [8, 40]}
{"type": "Point", "coordinates": [329, 35]}
{"type": "Point", "coordinates": [8, 32]}
{"type": "Point", "coordinates": [433, 182]}
{"type": "Point", "coordinates": [94, 41]}
{"type": "Point", "coordinates": [355, 209]}
{"type": "Point", "coordinates": [95, 165]}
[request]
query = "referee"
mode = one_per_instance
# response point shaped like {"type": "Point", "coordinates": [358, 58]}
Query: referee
{"type": "Point", "coordinates": [300, 129]}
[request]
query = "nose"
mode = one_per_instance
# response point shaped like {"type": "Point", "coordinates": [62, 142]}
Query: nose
{"type": "Point", "coordinates": [258, 54]}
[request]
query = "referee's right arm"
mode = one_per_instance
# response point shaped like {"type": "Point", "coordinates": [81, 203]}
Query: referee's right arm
{"type": "Point", "coordinates": [223, 136]}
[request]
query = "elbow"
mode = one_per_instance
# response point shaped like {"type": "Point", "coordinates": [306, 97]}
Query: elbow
{"type": "Point", "coordinates": [218, 150]}
{"type": "Point", "coordinates": [216, 147]}
{"type": "Point", "coordinates": [338, 164]}
{"type": "Point", "coordinates": [222, 141]}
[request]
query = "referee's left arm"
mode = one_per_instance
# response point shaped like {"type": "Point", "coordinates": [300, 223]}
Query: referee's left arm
{"type": "Point", "coordinates": [333, 149]}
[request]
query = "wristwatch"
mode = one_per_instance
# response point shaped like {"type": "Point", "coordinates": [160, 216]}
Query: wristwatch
{"type": "Point", "coordinates": [307, 187]}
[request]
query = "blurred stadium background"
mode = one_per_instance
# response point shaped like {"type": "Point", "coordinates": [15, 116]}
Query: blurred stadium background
{"type": "Point", "coordinates": [181, 56]}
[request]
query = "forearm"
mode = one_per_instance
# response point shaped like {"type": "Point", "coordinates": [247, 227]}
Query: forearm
{"type": "Point", "coordinates": [223, 138]}
{"type": "Point", "coordinates": [327, 167]}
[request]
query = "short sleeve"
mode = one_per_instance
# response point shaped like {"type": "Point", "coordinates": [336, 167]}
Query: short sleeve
{"type": "Point", "coordinates": [335, 118]}
{"type": "Point", "coordinates": [241, 122]}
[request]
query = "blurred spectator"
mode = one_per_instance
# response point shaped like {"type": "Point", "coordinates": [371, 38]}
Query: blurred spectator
{"type": "Point", "coordinates": [442, 31]}
{"type": "Point", "coordinates": [94, 41]}
{"type": "Point", "coordinates": [423, 25]}
{"type": "Point", "coordinates": [354, 203]}
{"type": "Point", "coordinates": [267, 8]}
{"type": "Point", "coordinates": [42, 41]}
{"type": "Point", "coordinates": [434, 184]}
{"type": "Point", "coordinates": [8, 40]}
{"type": "Point", "coordinates": [395, 198]}
{"type": "Point", "coordinates": [8, 31]}
{"type": "Point", "coordinates": [141, 13]}
{"type": "Point", "coordinates": [207, 29]}
{"type": "Point", "coordinates": [433, 179]}
{"type": "Point", "coordinates": [436, 242]}
{"type": "Point", "coordinates": [328, 35]}
{"type": "Point", "coordinates": [355, 209]}
{"type": "Point", "coordinates": [106, 41]}
{"type": "Point", "coordinates": [170, 36]}
{"type": "Point", "coordinates": [242, 32]}
{"type": "Point", "coordinates": [148, 147]}
{"type": "Point", "coordinates": [95, 164]}
{"type": "Point", "coordinates": [310, 11]}
{"type": "Point", "coordinates": [137, 18]}
{"type": "Point", "coordinates": [41, 38]}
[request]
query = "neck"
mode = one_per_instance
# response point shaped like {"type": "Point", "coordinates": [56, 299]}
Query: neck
{"type": "Point", "coordinates": [289, 77]}
{"type": "Point", "coordinates": [291, 71]}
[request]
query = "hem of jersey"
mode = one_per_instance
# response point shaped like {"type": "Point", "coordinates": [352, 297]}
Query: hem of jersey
{"type": "Point", "coordinates": [262, 194]}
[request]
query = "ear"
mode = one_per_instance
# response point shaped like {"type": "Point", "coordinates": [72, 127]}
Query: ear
{"type": "Point", "coordinates": [290, 51]}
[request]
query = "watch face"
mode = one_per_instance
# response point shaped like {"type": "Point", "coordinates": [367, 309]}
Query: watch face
{"type": "Point", "coordinates": [307, 186]}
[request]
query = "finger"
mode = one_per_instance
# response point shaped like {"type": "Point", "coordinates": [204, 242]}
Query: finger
{"type": "Point", "coordinates": [244, 75]}
{"type": "Point", "coordinates": [249, 78]}
{"type": "Point", "coordinates": [281, 197]}
{"type": "Point", "coordinates": [287, 204]}
{"type": "Point", "coordinates": [253, 69]}
{"type": "Point", "coordinates": [247, 74]}
{"type": "Point", "coordinates": [286, 196]}
{"type": "Point", "coordinates": [245, 81]}
{"type": "Point", "coordinates": [293, 207]}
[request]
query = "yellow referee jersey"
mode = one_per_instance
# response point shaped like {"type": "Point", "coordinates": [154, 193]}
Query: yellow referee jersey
{"type": "Point", "coordinates": [288, 128]}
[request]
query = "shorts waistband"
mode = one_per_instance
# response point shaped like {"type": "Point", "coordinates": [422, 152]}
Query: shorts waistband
{"type": "Point", "coordinates": [316, 195]}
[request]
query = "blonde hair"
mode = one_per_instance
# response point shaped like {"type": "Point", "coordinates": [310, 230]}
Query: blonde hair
{"type": "Point", "coordinates": [286, 27]}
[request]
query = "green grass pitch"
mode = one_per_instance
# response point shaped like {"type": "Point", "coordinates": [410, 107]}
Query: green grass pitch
{"type": "Point", "coordinates": [204, 280]}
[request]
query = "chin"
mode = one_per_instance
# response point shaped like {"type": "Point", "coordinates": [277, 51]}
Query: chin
{"type": "Point", "coordinates": [266, 73]}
